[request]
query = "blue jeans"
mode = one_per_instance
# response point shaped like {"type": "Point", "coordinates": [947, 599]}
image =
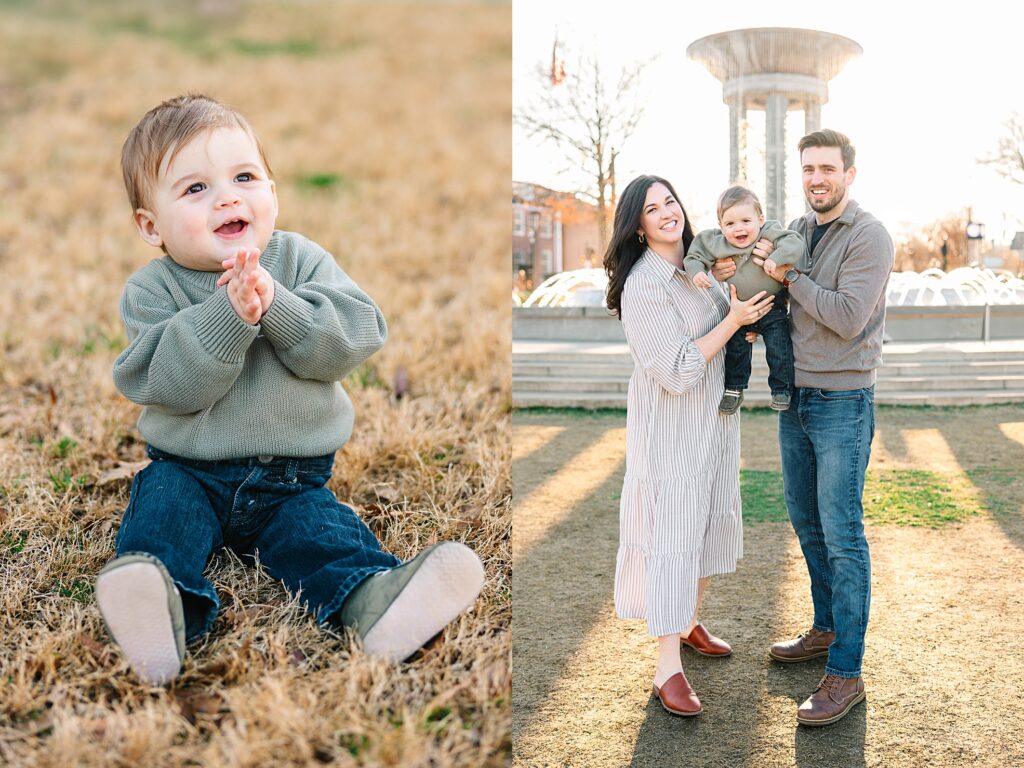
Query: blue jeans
{"type": "Point", "coordinates": [182, 511]}
{"type": "Point", "coordinates": [825, 441]}
{"type": "Point", "coordinates": [778, 351]}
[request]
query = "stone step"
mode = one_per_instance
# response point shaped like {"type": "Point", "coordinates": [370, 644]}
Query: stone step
{"type": "Point", "coordinates": [592, 401]}
{"type": "Point", "coordinates": [759, 383]}
{"type": "Point", "coordinates": [526, 366]}
{"type": "Point", "coordinates": [895, 353]}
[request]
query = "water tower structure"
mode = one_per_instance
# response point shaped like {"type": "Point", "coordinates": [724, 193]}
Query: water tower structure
{"type": "Point", "coordinates": [773, 70]}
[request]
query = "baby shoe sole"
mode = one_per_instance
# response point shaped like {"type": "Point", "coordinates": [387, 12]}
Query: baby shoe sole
{"type": "Point", "coordinates": [445, 584]}
{"type": "Point", "coordinates": [135, 599]}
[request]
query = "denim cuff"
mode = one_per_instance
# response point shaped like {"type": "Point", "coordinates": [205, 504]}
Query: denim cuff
{"type": "Point", "coordinates": [324, 614]}
{"type": "Point", "coordinates": [841, 673]}
{"type": "Point", "coordinates": [820, 628]}
{"type": "Point", "coordinates": [209, 594]}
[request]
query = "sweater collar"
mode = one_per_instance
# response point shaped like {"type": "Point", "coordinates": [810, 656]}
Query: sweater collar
{"type": "Point", "coordinates": [208, 280]}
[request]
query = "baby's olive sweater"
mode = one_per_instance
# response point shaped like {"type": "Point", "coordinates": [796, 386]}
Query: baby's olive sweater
{"type": "Point", "coordinates": [214, 387]}
{"type": "Point", "coordinates": [710, 245]}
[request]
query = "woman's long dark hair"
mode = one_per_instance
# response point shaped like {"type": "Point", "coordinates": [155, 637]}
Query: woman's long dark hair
{"type": "Point", "coordinates": [625, 247]}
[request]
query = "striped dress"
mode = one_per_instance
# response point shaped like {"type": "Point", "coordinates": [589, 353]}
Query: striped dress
{"type": "Point", "coordinates": [680, 512]}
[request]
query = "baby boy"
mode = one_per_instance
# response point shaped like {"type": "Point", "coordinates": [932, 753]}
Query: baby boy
{"type": "Point", "coordinates": [742, 225]}
{"type": "Point", "coordinates": [238, 337]}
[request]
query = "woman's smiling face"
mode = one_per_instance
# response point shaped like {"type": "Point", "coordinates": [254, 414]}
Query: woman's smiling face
{"type": "Point", "coordinates": [662, 219]}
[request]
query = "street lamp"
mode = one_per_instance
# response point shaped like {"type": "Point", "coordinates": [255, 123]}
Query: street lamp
{"type": "Point", "coordinates": [531, 233]}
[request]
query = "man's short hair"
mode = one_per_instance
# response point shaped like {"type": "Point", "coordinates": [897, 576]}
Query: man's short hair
{"type": "Point", "coordinates": [736, 195]}
{"type": "Point", "coordinates": [829, 138]}
{"type": "Point", "coordinates": [164, 131]}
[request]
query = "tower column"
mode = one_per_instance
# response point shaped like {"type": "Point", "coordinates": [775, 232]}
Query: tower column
{"type": "Point", "coordinates": [812, 115]}
{"type": "Point", "coordinates": [737, 138]}
{"type": "Point", "coordinates": [775, 151]}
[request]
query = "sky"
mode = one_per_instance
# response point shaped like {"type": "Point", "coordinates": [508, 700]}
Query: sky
{"type": "Point", "coordinates": [930, 94]}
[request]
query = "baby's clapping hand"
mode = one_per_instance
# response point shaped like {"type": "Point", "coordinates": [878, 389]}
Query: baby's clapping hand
{"type": "Point", "coordinates": [770, 266]}
{"type": "Point", "coordinates": [702, 281]}
{"type": "Point", "coordinates": [246, 278]}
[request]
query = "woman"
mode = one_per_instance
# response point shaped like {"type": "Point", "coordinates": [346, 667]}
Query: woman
{"type": "Point", "coordinates": [680, 505]}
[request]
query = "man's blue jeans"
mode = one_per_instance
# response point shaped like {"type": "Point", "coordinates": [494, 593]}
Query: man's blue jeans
{"type": "Point", "coordinates": [825, 441]}
{"type": "Point", "coordinates": [182, 511]}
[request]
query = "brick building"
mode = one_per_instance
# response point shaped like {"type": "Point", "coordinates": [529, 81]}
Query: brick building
{"type": "Point", "coordinates": [552, 232]}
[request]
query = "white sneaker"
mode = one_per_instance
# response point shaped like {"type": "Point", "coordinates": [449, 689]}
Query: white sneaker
{"type": "Point", "coordinates": [397, 611]}
{"type": "Point", "coordinates": [142, 610]}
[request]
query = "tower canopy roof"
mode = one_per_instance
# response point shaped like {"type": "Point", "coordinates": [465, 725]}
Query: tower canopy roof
{"type": "Point", "coordinates": [728, 55]}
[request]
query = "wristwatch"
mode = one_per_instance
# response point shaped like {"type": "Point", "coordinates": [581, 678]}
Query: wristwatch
{"type": "Point", "coordinates": [790, 277]}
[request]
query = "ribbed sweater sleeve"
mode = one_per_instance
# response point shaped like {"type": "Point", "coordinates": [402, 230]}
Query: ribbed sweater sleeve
{"type": "Point", "coordinates": [181, 360]}
{"type": "Point", "coordinates": [325, 326]}
{"type": "Point", "coordinates": [862, 277]}
{"type": "Point", "coordinates": [701, 256]}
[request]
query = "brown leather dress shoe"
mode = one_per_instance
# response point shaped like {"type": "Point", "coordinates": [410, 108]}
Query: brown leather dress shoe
{"type": "Point", "coordinates": [809, 645]}
{"type": "Point", "coordinates": [677, 696]}
{"type": "Point", "coordinates": [705, 643]}
{"type": "Point", "coordinates": [831, 700]}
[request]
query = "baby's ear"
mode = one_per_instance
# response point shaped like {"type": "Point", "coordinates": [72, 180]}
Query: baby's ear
{"type": "Point", "coordinates": [145, 222]}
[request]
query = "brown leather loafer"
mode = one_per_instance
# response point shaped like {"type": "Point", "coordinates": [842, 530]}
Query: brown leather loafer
{"type": "Point", "coordinates": [677, 696]}
{"type": "Point", "coordinates": [809, 645]}
{"type": "Point", "coordinates": [831, 700]}
{"type": "Point", "coordinates": [705, 643]}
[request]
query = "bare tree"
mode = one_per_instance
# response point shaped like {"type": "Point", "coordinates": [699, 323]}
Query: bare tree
{"type": "Point", "coordinates": [1008, 158]}
{"type": "Point", "coordinates": [589, 114]}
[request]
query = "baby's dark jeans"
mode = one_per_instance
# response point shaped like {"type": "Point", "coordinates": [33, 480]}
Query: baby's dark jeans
{"type": "Point", "coordinates": [774, 329]}
{"type": "Point", "coordinates": [182, 511]}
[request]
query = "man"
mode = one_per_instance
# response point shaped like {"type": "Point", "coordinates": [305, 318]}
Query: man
{"type": "Point", "coordinates": [837, 311]}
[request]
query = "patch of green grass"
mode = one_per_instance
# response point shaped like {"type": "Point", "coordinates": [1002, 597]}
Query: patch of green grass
{"type": "Point", "coordinates": [77, 590]}
{"type": "Point", "coordinates": [576, 413]}
{"type": "Point", "coordinates": [1003, 488]}
{"type": "Point", "coordinates": [917, 497]}
{"type": "Point", "coordinates": [910, 497]}
{"type": "Point", "coordinates": [324, 181]}
{"type": "Point", "coordinates": [763, 499]}
{"type": "Point", "coordinates": [13, 543]}
{"type": "Point", "coordinates": [291, 47]}
{"type": "Point", "coordinates": [365, 377]}
{"type": "Point", "coordinates": [353, 743]}
{"type": "Point", "coordinates": [65, 481]}
{"type": "Point", "coordinates": [64, 448]}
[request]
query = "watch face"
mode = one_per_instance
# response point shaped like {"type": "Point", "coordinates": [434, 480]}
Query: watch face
{"type": "Point", "coordinates": [791, 274]}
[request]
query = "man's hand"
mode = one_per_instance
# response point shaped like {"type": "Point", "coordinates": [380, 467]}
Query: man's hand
{"type": "Point", "coordinates": [702, 281]}
{"type": "Point", "coordinates": [723, 269]}
{"type": "Point", "coordinates": [762, 250]}
{"type": "Point", "coordinates": [244, 263]}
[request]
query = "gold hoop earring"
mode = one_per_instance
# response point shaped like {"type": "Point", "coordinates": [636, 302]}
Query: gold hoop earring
{"type": "Point", "coordinates": [640, 237]}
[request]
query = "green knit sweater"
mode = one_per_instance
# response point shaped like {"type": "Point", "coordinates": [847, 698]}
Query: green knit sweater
{"type": "Point", "coordinates": [213, 387]}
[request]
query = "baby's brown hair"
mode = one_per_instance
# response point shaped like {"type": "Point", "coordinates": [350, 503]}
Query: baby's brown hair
{"type": "Point", "coordinates": [164, 130]}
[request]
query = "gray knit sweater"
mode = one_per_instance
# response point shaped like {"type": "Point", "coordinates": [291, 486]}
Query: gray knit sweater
{"type": "Point", "coordinates": [213, 387]}
{"type": "Point", "coordinates": [710, 245]}
{"type": "Point", "coordinates": [837, 312]}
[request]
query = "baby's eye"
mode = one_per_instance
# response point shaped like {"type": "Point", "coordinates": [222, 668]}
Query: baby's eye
{"type": "Point", "coordinates": [197, 187]}
{"type": "Point", "coordinates": [243, 177]}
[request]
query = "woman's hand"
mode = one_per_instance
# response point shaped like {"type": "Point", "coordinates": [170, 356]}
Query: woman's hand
{"type": "Point", "coordinates": [750, 311]}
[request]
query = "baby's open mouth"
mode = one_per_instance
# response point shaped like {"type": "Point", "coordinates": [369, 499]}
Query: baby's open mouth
{"type": "Point", "coordinates": [232, 228]}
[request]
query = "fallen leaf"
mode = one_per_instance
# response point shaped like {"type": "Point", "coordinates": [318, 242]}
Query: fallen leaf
{"type": "Point", "coordinates": [386, 493]}
{"type": "Point", "coordinates": [125, 470]}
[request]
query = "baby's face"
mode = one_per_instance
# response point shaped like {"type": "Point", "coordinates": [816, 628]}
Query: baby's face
{"type": "Point", "coordinates": [212, 199]}
{"type": "Point", "coordinates": [740, 224]}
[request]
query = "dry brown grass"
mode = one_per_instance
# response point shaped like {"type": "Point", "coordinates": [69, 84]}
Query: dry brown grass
{"type": "Point", "coordinates": [408, 107]}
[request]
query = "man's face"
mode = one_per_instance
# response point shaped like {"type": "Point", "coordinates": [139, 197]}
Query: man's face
{"type": "Point", "coordinates": [214, 198]}
{"type": "Point", "coordinates": [825, 180]}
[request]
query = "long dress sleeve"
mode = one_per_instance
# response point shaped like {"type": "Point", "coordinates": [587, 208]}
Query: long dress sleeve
{"type": "Point", "coordinates": [662, 346]}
